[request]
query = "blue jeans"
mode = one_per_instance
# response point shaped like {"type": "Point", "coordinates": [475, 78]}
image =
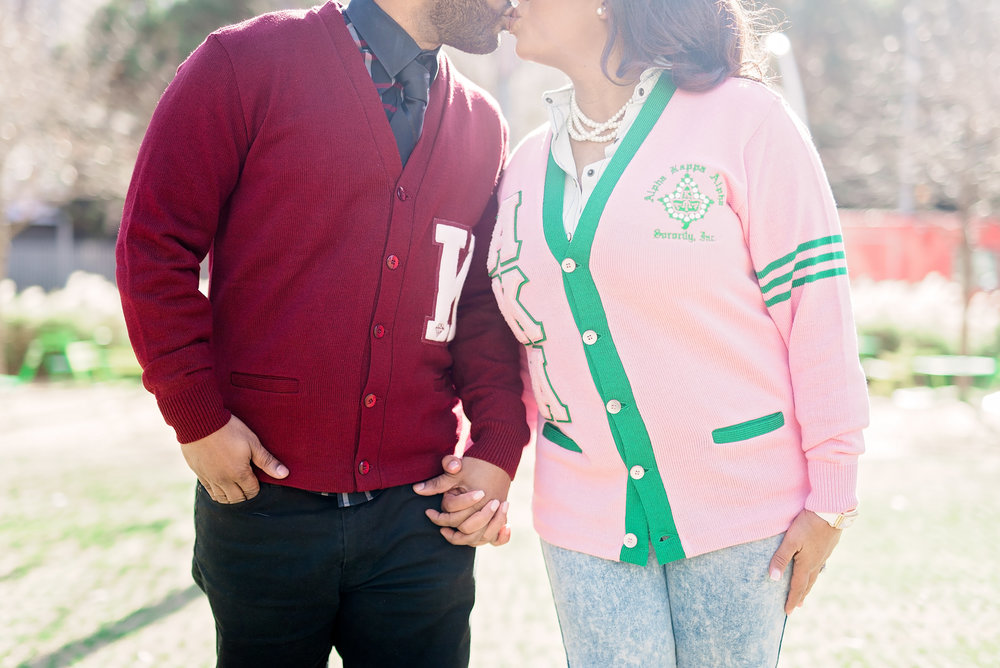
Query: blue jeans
{"type": "Point", "coordinates": [716, 610]}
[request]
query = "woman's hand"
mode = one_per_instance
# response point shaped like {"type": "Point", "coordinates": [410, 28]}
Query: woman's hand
{"type": "Point", "coordinates": [473, 503]}
{"type": "Point", "coordinates": [808, 543]}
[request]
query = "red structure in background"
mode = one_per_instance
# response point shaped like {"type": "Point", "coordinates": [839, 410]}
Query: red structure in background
{"type": "Point", "coordinates": [885, 245]}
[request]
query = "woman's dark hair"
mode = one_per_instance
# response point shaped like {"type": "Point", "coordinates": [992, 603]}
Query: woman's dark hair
{"type": "Point", "coordinates": [703, 42]}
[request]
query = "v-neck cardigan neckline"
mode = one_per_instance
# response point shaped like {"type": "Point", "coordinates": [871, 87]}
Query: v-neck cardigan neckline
{"type": "Point", "coordinates": [371, 104]}
{"type": "Point", "coordinates": [552, 206]}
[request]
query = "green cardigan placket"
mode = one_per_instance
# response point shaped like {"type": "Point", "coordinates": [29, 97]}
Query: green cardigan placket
{"type": "Point", "coordinates": [648, 517]}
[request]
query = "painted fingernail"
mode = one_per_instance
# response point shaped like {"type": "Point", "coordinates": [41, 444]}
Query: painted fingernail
{"type": "Point", "coordinates": [478, 494]}
{"type": "Point", "coordinates": [494, 504]}
{"type": "Point", "coordinates": [775, 574]}
{"type": "Point", "coordinates": [504, 506]}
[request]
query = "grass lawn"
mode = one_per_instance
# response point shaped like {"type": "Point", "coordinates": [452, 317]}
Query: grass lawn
{"type": "Point", "coordinates": [95, 543]}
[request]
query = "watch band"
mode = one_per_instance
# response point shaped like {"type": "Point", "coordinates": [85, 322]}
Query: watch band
{"type": "Point", "coordinates": [839, 520]}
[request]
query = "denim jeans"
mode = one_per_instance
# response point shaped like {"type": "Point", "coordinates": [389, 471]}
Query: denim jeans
{"type": "Point", "coordinates": [716, 610]}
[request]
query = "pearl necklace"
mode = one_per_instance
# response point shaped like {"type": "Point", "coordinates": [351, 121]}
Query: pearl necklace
{"type": "Point", "coordinates": [583, 128]}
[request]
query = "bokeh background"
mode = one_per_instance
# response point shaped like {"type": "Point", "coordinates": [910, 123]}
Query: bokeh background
{"type": "Point", "coordinates": [902, 99]}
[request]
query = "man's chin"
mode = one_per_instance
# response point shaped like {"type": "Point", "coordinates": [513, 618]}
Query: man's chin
{"type": "Point", "coordinates": [480, 47]}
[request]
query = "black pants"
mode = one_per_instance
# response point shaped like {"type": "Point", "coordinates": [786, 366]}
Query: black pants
{"type": "Point", "coordinates": [289, 576]}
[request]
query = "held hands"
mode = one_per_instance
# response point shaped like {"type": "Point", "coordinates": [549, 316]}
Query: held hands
{"type": "Point", "coordinates": [474, 501]}
{"type": "Point", "coordinates": [808, 543]}
{"type": "Point", "coordinates": [222, 459]}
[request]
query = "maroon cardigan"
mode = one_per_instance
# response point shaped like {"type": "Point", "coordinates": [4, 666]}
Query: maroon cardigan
{"type": "Point", "coordinates": [333, 271]}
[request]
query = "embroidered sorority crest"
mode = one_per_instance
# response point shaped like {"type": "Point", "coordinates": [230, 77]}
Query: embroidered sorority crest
{"type": "Point", "coordinates": [687, 203]}
{"type": "Point", "coordinates": [689, 200]}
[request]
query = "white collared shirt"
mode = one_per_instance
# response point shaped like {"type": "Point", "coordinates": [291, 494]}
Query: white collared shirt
{"type": "Point", "coordinates": [578, 190]}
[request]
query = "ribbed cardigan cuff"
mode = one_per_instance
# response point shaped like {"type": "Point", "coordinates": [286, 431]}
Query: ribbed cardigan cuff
{"type": "Point", "coordinates": [195, 412]}
{"type": "Point", "coordinates": [499, 443]}
{"type": "Point", "coordinates": [834, 486]}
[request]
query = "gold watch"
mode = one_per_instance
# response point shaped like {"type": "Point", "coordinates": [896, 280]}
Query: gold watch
{"type": "Point", "coordinates": [839, 520]}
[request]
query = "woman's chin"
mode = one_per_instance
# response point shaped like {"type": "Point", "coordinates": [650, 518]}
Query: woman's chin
{"type": "Point", "coordinates": [523, 49]}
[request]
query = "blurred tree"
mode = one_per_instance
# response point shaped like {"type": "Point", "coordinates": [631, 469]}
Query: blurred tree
{"type": "Point", "coordinates": [42, 90]}
{"type": "Point", "coordinates": [140, 43]}
{"type": "Point", "coordinates": [74, 102]}
{"type": "Point", "coordinates": [959, 156]}
{"type": "Point", "coordinates": [22, 99]}
{"type": "Point", "coordinates": [902, 97]}
{"type": "Point", "coordinates": [851, 81]}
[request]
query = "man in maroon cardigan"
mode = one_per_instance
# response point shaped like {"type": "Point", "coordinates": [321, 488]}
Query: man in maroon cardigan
{"type": "Point", "coordinates": [339, 175]}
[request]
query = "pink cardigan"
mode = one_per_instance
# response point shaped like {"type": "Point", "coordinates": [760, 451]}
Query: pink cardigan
{"type": "Point", "coordinates": [691, 349]}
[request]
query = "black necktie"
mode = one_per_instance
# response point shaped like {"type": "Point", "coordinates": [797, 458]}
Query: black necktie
{"type": "Point", "coordinates": [408, 120]}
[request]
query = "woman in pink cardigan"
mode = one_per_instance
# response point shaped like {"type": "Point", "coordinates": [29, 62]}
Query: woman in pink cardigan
{"type": "Point", "coordinates": [668, 251]}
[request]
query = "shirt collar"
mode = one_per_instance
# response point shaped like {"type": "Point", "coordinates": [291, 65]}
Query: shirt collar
{"type": "Point", "coordinates": [392, 46]}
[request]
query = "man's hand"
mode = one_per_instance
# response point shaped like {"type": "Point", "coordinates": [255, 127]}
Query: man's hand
{"type": "Point", "coordinates": [222, 459]}
{"type": "Point", "coordinates": [474, 504]}
{"type": "Point", "coordinates": [808, 543]}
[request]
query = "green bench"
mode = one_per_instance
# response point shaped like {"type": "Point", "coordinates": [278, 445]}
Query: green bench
{"type": "Point", "coordinates": [60, 352]}
{"type": "Point", "coordinates": [953, 366]}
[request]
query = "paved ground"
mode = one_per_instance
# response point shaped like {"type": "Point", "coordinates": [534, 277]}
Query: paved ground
{"type": "Point", "coordinates": [95, 539]}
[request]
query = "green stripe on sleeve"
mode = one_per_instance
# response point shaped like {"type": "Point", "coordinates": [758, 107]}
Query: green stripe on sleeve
{"type": "Point", "coordinates": [815, 243]}
{"type": "Point", "coordinates": [784, 296]}
{"type": "Point", "coordinates": [837, 271]}
{"type": "Point", "coordinates": [808, 262]}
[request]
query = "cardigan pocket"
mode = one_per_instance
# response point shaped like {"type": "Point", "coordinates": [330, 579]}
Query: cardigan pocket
{"type": "Point", "coordinates": [749, 429]}
{"type": "Point", "coordinates": [555, 435]}
{"type": "Point", "coordinates": [273, 384]}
